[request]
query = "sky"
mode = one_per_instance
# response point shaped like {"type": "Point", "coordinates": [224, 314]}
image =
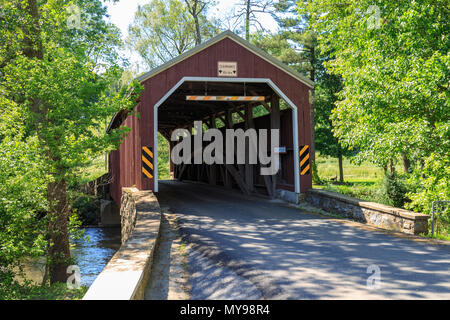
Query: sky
{"type": "Point", "coordinates": [122, 14]}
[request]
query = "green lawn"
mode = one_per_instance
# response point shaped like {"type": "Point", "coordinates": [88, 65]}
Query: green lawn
{"type": "Point", "coordinates": [163, 158]}
{"type": "Point", "coordinates": [361, 181]}
{"type": "Point", "coordinates": [366, 172]}
{"type": "Point", "coordinates": [93, 171]}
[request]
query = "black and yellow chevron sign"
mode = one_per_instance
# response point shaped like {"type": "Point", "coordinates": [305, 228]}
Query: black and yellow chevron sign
{"type": "Point", "coordinates": [147, 162]}
{"type": "Point", "coordinates": [305, 167]}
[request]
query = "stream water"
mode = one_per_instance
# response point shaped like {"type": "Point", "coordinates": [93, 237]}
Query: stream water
{"type": "Point", "coordinates": [90, 256]}
{"type": "Point", "coordinates": [93, 256]}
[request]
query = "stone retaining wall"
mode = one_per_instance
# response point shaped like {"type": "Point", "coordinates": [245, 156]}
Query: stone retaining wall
{"type": "Point", "coordinates": [126, 275]}
{"type": "Point", "coordinates": [127, 212]}
{"type": "Point", "coordinates": [375, 214]}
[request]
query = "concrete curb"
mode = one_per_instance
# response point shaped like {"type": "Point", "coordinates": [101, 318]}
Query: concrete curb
{"type": "Point", "coordinates": [309, 209]}
{"type": "Point", "coordinates": [378, 215]}
{"type": "Point", "coordinates": [126, 275]}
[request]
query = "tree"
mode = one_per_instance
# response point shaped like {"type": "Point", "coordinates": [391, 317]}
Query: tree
{"type": "Point", "coordinates": [279, 46]}
{"type": "Point", "coordinates": [195, 8]}
{"type": "Point", "coordinates": [295, 28]}
{"type": "Point", "coordinates": [394, 62]}
{"type": "Point", "coordinates": [53, 96]}
{"type": "Point", "coordinates": [327, 87]}
{"type": "Point", "coordinates": [246, 12]}
{"type": "Point", "coordinates": [296, 45]}
{"type": "Point", "coordinates": [22, 199]}
{"type": "Point", "coordinates": [162, 30]}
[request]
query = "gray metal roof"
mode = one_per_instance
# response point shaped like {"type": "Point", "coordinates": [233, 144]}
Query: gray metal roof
{"type": "Point", "coordinates": [239, 40]}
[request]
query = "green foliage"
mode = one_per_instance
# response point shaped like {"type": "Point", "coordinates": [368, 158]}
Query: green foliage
{"type": "Point", "coordinates": [296, 45]}
{"type": "Point", "coordinates": [299, 41]}
{"type": "Point", "coordinates": [396, 78]}
{"type": "Point", "coordinates": [163, 158]}
{"type": "Point", "coordinates": [395, 97]}
{"type": "Point", "coordinates": [368, 182]}
{"type": "Point", "coordinates": [394, 190]}
{"type": "Point", "coordinates": [315, 173]}
{"type": "Point", "coordinates": [162, 30]}
{"type": "Point", "coordinates": [364, 181]}
{"type": "Point", "coordinates": [435, 185]}
{"type": "Point", "coordinates": [11, 289]}
{"type": "Point", "coordinates": [93, 170]}
{"type": "Point", "coordinates": [57, 86]}
{"type": "Point", "coordinates": [365, 190]}
{"type": "Point", "coordinates": [71, 106]}
{"type": "Point", "coordinates": [390, 190]}
{"type": "Point", "coordinates": [22, 201]}
{"type": "Point", "coordinates": [87, 208]}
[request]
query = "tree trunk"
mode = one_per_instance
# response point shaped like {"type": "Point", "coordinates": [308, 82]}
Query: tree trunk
{"type": "Point", "coordinates": [213, 167]}
{"type": "Point", "coordinates": [198, 38]}
{"type": "Point", "coordinates": [312, 75]}
{"type": "Point", "coordinates": [312, 117]}
{"type": "Point", "coordinates": [32, 33]}
{"type": "Point", "coordinates": [248, 147]}
{"type": "Point", "coordinates": [247, 21]}
{"type": "Point", "coordinates": [195, 9]}
{"type": "Point", "coordinates": [59, 250]}
{"type": "Point", "coordinates": [341, 168]}
{"type": "Point", "coordinates": [391, 166]}
{"type": "Point", "coordinates": [422, 166]}
{"type": "Point", "coordinates": [406, 163]}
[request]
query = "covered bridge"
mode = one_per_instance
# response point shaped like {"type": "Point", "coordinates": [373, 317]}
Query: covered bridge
{"type": "Point", "coordinates": [222, 79]}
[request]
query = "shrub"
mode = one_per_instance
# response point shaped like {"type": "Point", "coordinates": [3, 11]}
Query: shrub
{"type": "Point", "coordinates": [394, 190]}
{"type": "Point", "coordinates": [87, 208]}
{"type": "Point", "coordinates": [11, 289]}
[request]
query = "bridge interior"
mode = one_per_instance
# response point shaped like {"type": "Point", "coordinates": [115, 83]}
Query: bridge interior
{"type": "Point", "coordinates": [177, 112]}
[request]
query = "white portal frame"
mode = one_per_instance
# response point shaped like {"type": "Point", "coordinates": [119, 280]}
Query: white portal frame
{"type": "Point", "coordinates": [235, 80]}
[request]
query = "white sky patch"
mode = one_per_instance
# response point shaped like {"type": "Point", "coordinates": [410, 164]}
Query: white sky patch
{"type": "Point", "coordinates": [122, 15]}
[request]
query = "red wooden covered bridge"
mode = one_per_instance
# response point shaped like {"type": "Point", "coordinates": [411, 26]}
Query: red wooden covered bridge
{"type": "Point", "coordinates": [184, 90]}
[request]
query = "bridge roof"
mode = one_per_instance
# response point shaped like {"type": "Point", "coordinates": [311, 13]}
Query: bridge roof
{"type": "Point", "coordinates": [227, 34]}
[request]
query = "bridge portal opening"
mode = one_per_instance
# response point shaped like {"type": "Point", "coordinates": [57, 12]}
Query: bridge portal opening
{"type": "Point", "coordinates": [234, 104]}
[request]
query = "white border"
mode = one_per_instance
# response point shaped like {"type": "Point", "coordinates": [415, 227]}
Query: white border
{"type": "Point", "coordinates": [238, 80]}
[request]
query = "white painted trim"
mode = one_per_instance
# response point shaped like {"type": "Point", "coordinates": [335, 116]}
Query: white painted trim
{"type": "Point", "coordinates": [236, 80]}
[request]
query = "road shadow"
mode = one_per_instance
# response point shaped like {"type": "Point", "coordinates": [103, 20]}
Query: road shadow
{"type": "Point", "coordinates": [288, 254]}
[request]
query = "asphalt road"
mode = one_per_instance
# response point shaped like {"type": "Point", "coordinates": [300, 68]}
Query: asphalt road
{"type": "Point", "coordinates": [254, 248]}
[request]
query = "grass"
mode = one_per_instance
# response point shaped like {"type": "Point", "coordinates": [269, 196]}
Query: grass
{"type": "Point", "coordinates": [93, 171]}
{"type": "Point", "coordinates": [360, 181]}
{"type": "Point", "coordinates": [445, 237]}
{"type": "Point", "coordinates": [13, 290]}
{"type": "Point", "coordinates": [163, 158]}
{"type": "Point", "coordinates": [329, 168]}
{"type": "Point", "coordinates": [363, 181]}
